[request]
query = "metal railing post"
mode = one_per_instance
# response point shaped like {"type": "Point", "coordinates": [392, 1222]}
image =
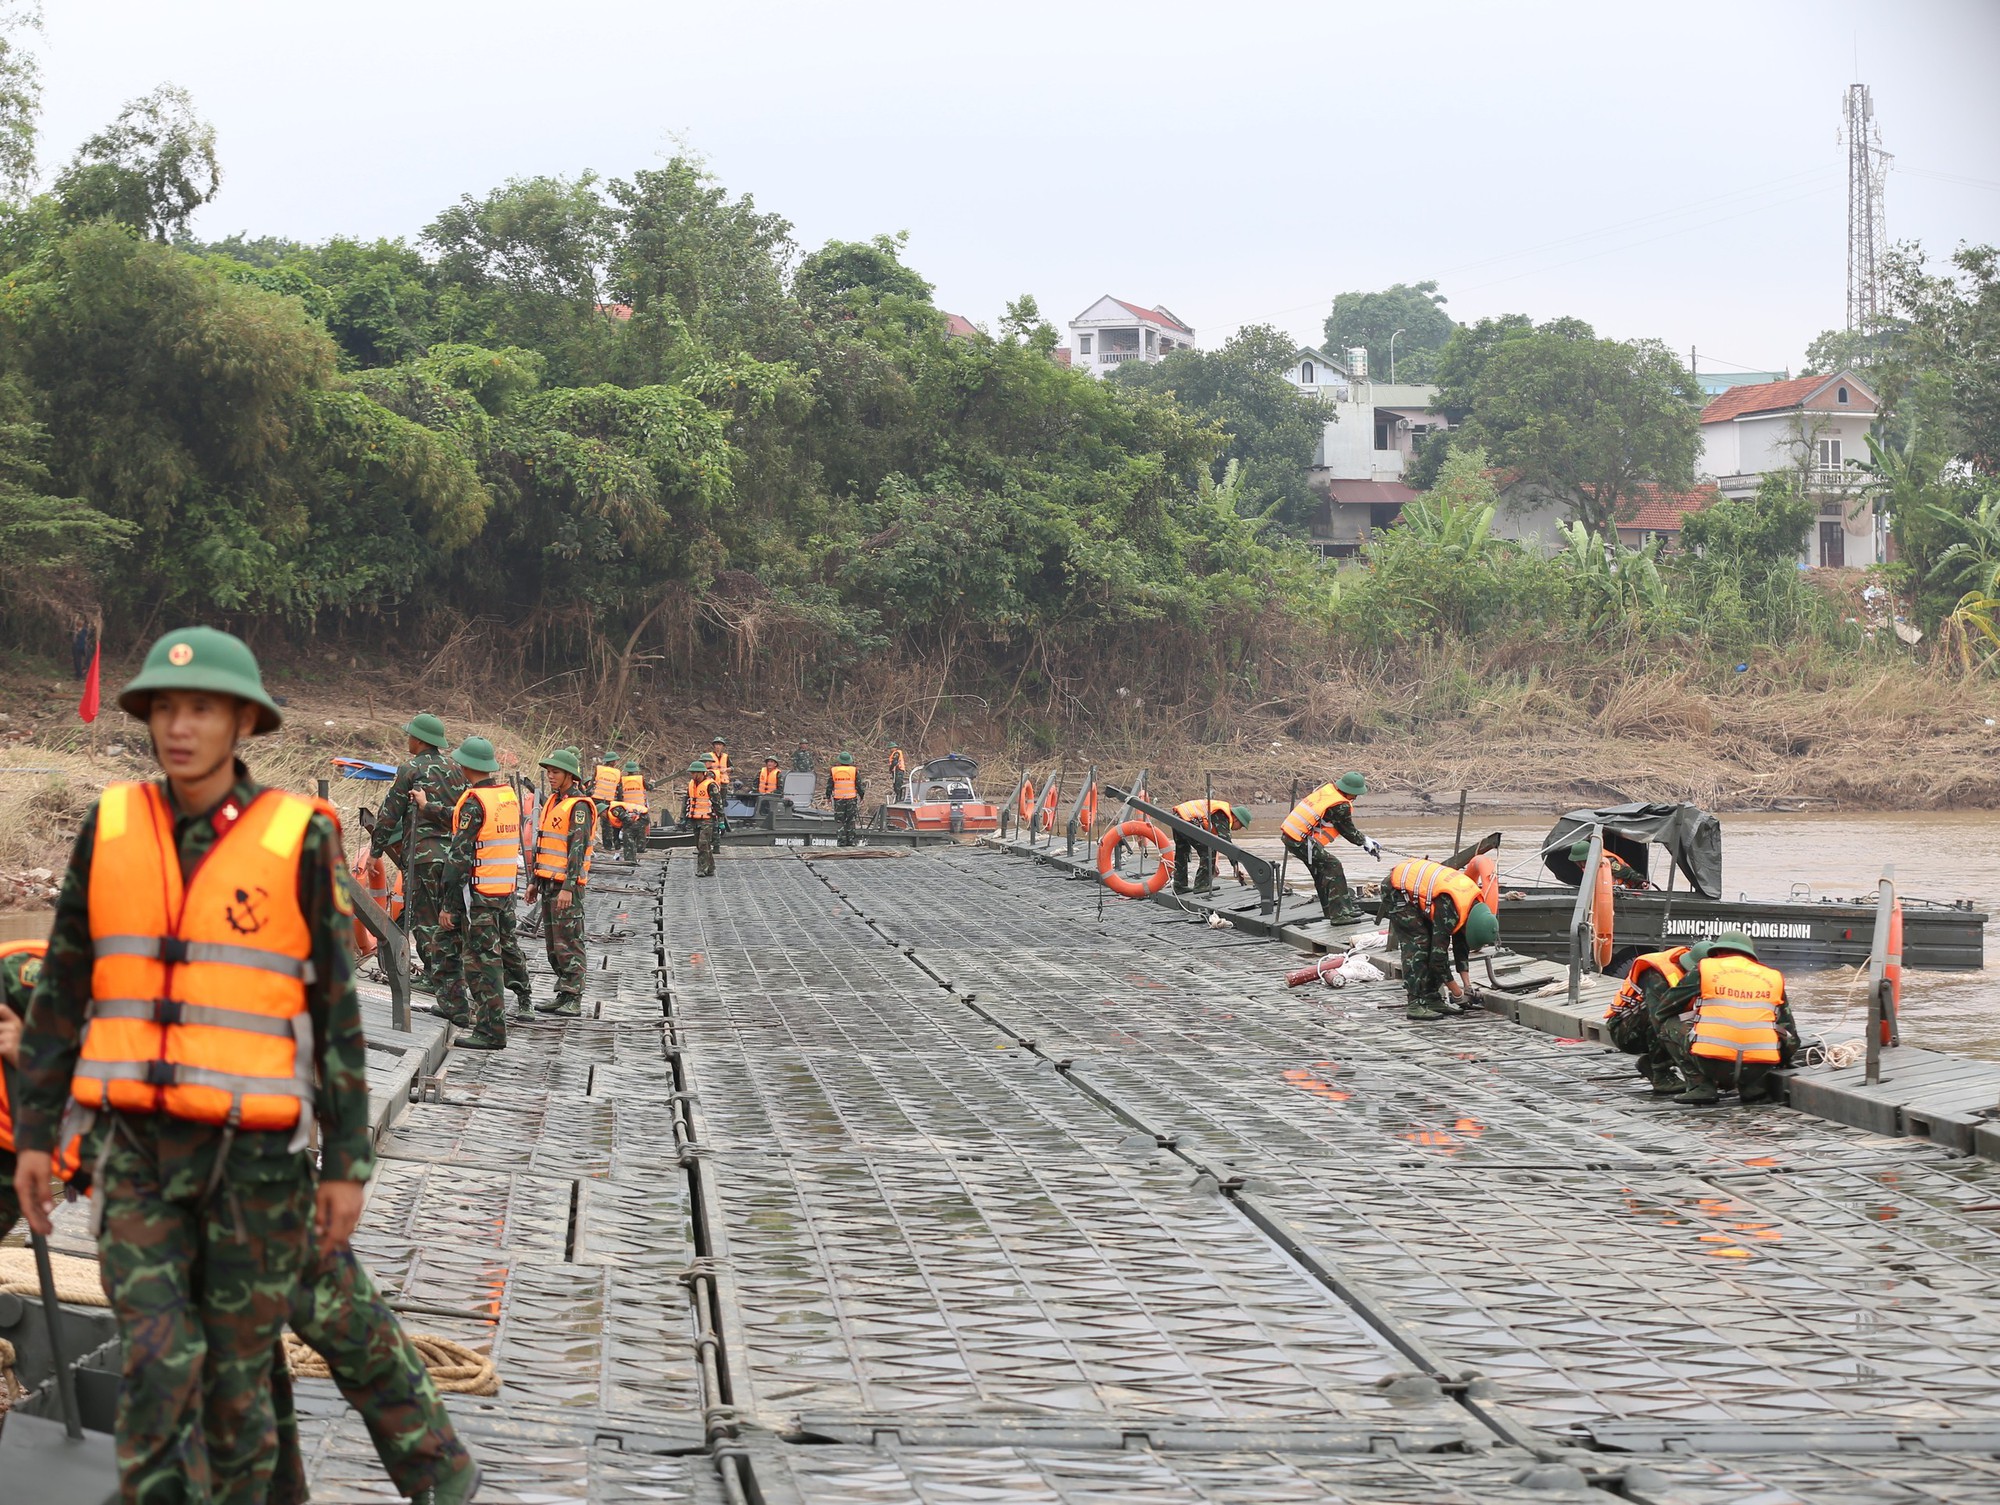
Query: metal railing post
{"type": "Point", "coordinates": [1878, 972]}
{"type": "Point", "coordinates": [1581, 917]}
{"type": "Point", "coordinates": [1076, 810]}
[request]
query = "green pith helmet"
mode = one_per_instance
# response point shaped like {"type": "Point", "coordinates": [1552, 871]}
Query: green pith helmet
{"type": "Point", "coordinates": [476, 753]}
{"type": "Point", "coordinates": [1351, 784]}
{"type": "Point", "coordinates": [697, 766]}
{"type": "Point", "coordinates": [563, 759]}
{"type": "Point", "coordinates": [1734, 940]}
{"type": "Point", "coordinates": [427, 728]}
{"type": "Point", "coordinates": [718, 741]}
{"type": "Point", "coordinates": [895, 747]}
{"type": "Point", "coordinates": [1241, 813]}
{"type": "Point", "coordinates": [1579, 851]}
{"type": "Point", "coordinates": [1481, 928]}
{"type": "Point", "coordinates": [201, 658]}
{"type": "Point", "coordinates": [631, 765]}
{"type": "Point", "coordinates": [770, 757]}
{"type": "Point", "coordinates": [1696, 955]}
{"type": "Point", "coordinates": [846, 756]}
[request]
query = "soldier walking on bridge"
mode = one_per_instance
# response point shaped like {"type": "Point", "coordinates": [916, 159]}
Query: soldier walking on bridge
{"type": "Point", "coordinates": [486, 858]}
{"type": "Point", "coordinates": [562, 875]}
{"type": "Point", "coordinates": [414, 833]}
{"type": "Point", "coordinates": [204, 935]}
{"type": "Point", "coordinates": [845, 788]}
{"type": "Point", "coordinates": [702, 809]}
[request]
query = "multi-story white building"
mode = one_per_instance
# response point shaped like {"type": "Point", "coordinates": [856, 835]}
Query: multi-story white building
{"type": "Point", "coordinates": [1112, 331]}
{"type": "Point", "coordinates": [1814, 427]}
{"type": "Point", "coordinates": [1364, 449]}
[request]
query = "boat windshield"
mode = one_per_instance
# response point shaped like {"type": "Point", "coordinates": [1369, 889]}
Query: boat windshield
{"type": "Point", "coordinates": [946, 780]}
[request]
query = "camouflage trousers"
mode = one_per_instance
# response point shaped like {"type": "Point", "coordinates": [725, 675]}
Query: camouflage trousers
{"type": "Point", "coordinates": [1329, 878]}
{"type": "Point", "coordinates": [1753, 1079]}
{"type": "Point", "coordinates": [427, 896]}
{"type": "Point", "coordinates": [844, 814]}
{"type": "Point", "coordinates": [705, 842]}
{"type": "Point", "coordinates": [10, 1201]}
{"type": "Point", "coordinates": [632, 837]}
{"type": "Point", "coordinates": [489, 963]}
{"type": "Point", "coordinates": [338, 1313]}
{"type": "Point", "coordinates": [202, 1285]}
{"type": "Point", "coordinates": [1425, 968]}
{"type": "Point", "coordinates": [563, 938]}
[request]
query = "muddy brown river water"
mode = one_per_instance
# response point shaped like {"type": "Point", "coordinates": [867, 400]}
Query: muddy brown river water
{"type": "Point", "coordinates": [1937, 856]}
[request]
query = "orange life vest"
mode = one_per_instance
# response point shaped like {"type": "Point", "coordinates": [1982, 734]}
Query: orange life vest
{"type": "Point", "coordinates": [701, 803]}
{"type": "Point", "coordinates": [1215, 814]}
{"type": "Point", "coordinates": [719, 767]}
{"type": "Point", "coordinates": [1737, 1013]}
{"type": "Point", "coordinates": [198, 990]}
{"type": "Point", "coordinates": [552, 838]}
{"type": "Point", "coordinates": [770, 780]}
{"type": "Point", "coordinates": [7, 949]}
{"type": "Point", "coordinates": [1666, 963]}
{"type": "Point", "coordinates": [1309, 816]}
{"type": "Point", "coordinates": [1483, 870]}
{"type": "Point", "coordinates": [896, 763]}
{"type": "Point", "coordinates": [844, 786]}
{"type": "Point", "coordinates": [496, 857]}
{"type": "Point", "coordinates": [1424, 880]}
{"type": "Point", "coordinates": [632, 791]}
{"type": "Point", "coordinates": [605, 788]}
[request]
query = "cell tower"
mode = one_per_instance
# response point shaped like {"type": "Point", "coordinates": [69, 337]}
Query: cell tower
{"type": "Point", "coordinates": [1867, 233]}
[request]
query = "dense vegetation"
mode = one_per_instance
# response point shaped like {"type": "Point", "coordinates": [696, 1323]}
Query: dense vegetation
{"type": "Point", "coordinates": [624, 432]}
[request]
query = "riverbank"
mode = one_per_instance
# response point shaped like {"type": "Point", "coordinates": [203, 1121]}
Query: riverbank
{"type": "Point", "coordinates": [1520, 739]}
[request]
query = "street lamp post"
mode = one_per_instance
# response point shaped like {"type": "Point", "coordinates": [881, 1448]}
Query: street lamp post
{"type": "Point", "coordinates": [1392, 358]}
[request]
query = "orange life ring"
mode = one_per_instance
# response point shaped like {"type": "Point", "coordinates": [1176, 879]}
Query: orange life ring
{"type": "Point", "coordinates": [1135, 830]}
{"type": "Point", "coordinates": [1024, 806]}
{"type": "Point", "coordinates": [382, 881]}
{"type": "Point", "coordinates": [1601, 915]}
{"type": "Point", "coordinates": [1087, 816]}
{"type": "Point", "coordinates": [1892, 972]}
{"type": "Point", "coordinates": [1484, 871]}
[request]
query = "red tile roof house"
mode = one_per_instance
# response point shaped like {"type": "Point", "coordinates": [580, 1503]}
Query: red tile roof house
{"type": "Point", "coordinates": [1660, 513]}
{"type": "Point", "coordinates": [1112, 331]}
{"type": "Point", "coordinates": [1815, 427]}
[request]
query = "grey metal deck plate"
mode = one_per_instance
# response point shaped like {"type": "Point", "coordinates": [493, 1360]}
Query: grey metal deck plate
{"type": "Point", "coordinates": [1009, 1202]}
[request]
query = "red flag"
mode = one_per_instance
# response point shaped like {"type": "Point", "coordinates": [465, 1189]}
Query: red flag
{"type": "Point", "coordinates": [86, 708]}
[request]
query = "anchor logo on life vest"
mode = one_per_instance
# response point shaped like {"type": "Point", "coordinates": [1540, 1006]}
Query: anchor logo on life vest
{"type": "Point", "coordinates": [243, 916]}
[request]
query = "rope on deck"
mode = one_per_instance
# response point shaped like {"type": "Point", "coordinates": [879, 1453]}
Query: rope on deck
{"type": "Point", "coordinates": [77, 1281]}
{"type": "Point", "coordinates": [453, 1367]}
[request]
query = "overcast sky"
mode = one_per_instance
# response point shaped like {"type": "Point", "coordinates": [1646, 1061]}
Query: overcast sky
{"type": "Point", "coordinates": [1666, 170]}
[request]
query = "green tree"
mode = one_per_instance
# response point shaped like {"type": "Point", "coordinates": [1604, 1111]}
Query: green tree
{"type": "Point", "coordinates": [1273, 429]}
{"type": "Point", "coordinates": [1591, 420]}
{"type": "Point", "coordinates": [1835, 350]}
{"type": "Point", "coordinates": [1370, 319]}
{"type": "Point", "coordinates": [151, 168]}
{"type": "Point", "coordinates": [1758, 534]}
{"type": "Point", "coordinates": [20, 97]}
{"type": "Point", "coordinates": [1948, 325]}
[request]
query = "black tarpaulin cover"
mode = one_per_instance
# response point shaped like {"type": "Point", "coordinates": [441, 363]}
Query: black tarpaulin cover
{"type": "Point", "coordinates": [1692, 837]}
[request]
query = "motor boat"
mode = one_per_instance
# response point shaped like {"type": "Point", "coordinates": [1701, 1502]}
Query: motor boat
{"type": "Point", "coordinates": [943, 796]}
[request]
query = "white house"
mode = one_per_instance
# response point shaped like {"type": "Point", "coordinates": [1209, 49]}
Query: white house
{"type": "Point", "coordinates": [1363, 452]}
{"type": "Point", "coordinates": [1112, 331]}
{"type": "Point", "coordinates": [1815, 426]}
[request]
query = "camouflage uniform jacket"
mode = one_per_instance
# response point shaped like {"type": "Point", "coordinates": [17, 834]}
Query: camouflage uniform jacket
{"type": "Point", "coordinates": [422, 832]}
{"type": "Point", "coordinates": [61, 1004]}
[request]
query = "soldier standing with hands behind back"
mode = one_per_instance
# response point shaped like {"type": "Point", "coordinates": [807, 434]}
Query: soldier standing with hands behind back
{"type": "Point", "coordinates": [414, 828]}
{"type": "Point", "coordinates": [562, 872]}
{"type": "Point", "coordinates": [486, 858]}
{"type": "Point", "coordinates": [204, 936]}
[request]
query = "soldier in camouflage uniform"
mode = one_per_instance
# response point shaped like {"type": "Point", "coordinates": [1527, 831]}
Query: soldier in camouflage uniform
{"type": "Point", "coordinates": [1433, 944]}
{"type": "Point", "coordinates": [562, 873]}
{"type": "Point", "coordinates": [634, 815]}
{"type": "Point", "coordinates": [206, 1226]}
{"type": "Point", "coordinates": [20, 969]}
{"type": "Point", "coordinates": [414, 827]}
{"type": "Point", "coordinates": [490, 959]}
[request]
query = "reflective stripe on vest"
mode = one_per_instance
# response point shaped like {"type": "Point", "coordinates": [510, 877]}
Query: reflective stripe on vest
{"type": "Point", "coordinates": [1666, 963]}
{"type": "Point", "coordinates": [1737, 1014]}
{"type": "Point", "coordinates": [720, 768]}
{"type": "Point", "coordinates": [844, 786]}
{"type": "Point", "coordinates": [1424, 880]}
{"type": "Point", "coordinates": [7, 949]}
{"type": "Point", "coordinates": [632, 791]}
{"type": "Point", "coordinates": [605, 789]}
{"type": "Point", "coordinates": [1204, 812]}
{"type": "Point", "coordinates": [496, 855]}
{"type": "Point", "coordinates": [552, 838]}
{"type": "Point", "coordinates": [198, 992]}
{"type": "Point", "coordinates": [1309, 816]}
{"type": "Point", "coordinates": [700, 806]}
{"type": "Point", "coordinates": [770, 780]}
